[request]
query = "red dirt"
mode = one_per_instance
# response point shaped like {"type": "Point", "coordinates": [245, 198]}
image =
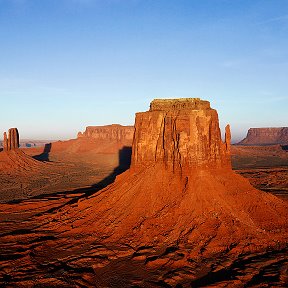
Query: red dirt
{"type": "Point", "coordinates": [179, 217]}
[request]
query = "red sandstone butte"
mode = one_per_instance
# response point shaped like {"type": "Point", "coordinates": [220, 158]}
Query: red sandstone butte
{"type": "Point", "coordinates": [180, 190]}
{"type": "Point", "coordinates": [182, 132]}
{"type": "Point", "coordinates": [266, 136]}
{"type": "Point", "coordinates": [12, 158]}
{"type": "Point", "coordinates": [12, 141]}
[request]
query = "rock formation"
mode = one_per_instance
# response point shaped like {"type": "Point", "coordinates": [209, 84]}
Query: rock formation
{"type": "Point", "coordinates": [109, 132]}
{"type": "Point", "coordinates": [12, 158]}
{"type": "Point", "coordinates": [109, 139]}
{"type": "Point", "coordinates": [181, 189]}
{"type": "Point", "coordinates": [183, 133]}
{"type": "Point", "coordinates": [178, 214]}
{"type": "Point", "coordinates": [12, 141]}
{"type": "Point", "coordinates": [266, 136]}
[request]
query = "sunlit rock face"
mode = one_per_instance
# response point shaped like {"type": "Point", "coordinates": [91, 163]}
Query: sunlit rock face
{"type": "Point", "coordinates": [109, 132]}
{"type": "Point", "coordinates": [179, 215]}
{"type": "Point", "coordinates": [11, 142]}
{"type": "Point", "coordinates": [266, 136]}
{"type": "Point", "coordinates": [181, 133]}
{"type": "Point", "coordinates": [12, 159]}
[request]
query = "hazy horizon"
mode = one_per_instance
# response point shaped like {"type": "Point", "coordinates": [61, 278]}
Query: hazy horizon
{"type": "Point", "coordinates": [69, 64]}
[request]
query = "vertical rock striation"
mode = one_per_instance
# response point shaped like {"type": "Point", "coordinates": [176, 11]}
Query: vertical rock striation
{"type": "Point", "coordinates": [181, 189]}
{"type": "Point", "coordinates": [12, 141]}
{"type": "Point", "coordinates": [5, 142]}
{"type": "Point", "coordinates": [181, 133]}
{"type": "Point", "coordinates": [199, 214]}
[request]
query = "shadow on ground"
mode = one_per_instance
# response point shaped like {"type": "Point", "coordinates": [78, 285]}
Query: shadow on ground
{"type": "Point", "coordinates": [284, 147]}
{"type": "Point", "coordinates": [124, 155]}
{"type": "Point", "coordinates": [44, 156]}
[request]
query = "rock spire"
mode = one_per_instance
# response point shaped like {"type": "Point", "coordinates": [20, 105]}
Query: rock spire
{"type": "Point", "coordinates": [12, 141]}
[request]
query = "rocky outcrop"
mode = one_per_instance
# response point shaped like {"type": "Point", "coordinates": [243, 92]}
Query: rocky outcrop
{"type": "Point", "coordinates": [114, 132]}
{"type": "Point", "coordinates": [180, 189]}
{"type": "Point", "coordinates": [13, 159]}
{"type": "Point", "coordinates": [180, 133]}
{"type": "Point", "coordinates": [266, 136]}
{"type": "Point", "coordinates": [12, 141]}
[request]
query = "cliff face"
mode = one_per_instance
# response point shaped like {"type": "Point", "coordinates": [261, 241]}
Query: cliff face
{"type": "Point", "coordinates": [157, 218]}
{"type": "Point", "coordinates": [114, 132]}
{"type": "Point", "coordinates": [266, 136]}
{"type": "Point", "coordinates": [11, 142]}
{"type": "Point", "coordinates": [180, 133]}
{"type": "Point", "coordinates": [109, 139]}
{"type": "Point", "coordinates": [180, 189]}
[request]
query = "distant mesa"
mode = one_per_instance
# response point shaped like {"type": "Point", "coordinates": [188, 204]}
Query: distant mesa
{"type": "Point", "coordinates": [108, 139]}
{"type": "Point", "coordinates": [31, 143]}
{"type": "Point", "coordinates": [266, 136]}
{"type": "Point", "coordinates": [109, 132]}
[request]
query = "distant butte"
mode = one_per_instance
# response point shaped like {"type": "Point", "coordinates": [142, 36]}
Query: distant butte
{"type": "Point", "coordinates": [12, 141]}
{"type": "Point", "coordinates": [114, 132]}
{"type": "Point", "coordinates": [12, 158]}
{"type": "Point", "coordinates": [266, 136]}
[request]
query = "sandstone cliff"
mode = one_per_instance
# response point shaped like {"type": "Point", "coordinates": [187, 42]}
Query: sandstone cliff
{"type": "Point", "coordinates": [180, 133]}
{"type": "Point", "coordinates": [109, 139]}
{"type": "Point", "coordinates": [180, 190]}
{"type": "Point", "coordinates": [11, 141]}
{"type": "Point", "coordinates": [180, 213]}
{"type": "Point", "coordinates": [114, 132]}
{"type": "Point", "coordinates": [266, 136]}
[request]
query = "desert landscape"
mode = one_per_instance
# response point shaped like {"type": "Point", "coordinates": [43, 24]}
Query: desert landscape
{"type": "Point", "coordinates": [154, 205]}
{"type": "Point", "coordinates": [143, 143]}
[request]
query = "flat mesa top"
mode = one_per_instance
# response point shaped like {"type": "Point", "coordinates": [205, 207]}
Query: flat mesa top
{"type": "Point", "coordinates": [109, 126]}
{"type": "Point", "coordinates": [179, 104]}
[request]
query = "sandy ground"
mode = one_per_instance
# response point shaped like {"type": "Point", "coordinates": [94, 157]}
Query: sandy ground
{"type": "Point", "coordinates": [63, 172]}
{"type": "Point", "coordinates": [36, 197]}
{"type": "Point", "coordinates": [266, 167]}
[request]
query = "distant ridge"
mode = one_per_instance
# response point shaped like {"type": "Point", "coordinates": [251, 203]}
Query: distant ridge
{"type": "Point", "coordinates": [266, 136]}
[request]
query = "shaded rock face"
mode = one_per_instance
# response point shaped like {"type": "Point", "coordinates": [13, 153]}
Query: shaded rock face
{"type": "Point", "coordinates": [109, 132]}
{"type": "Point", "coordinates": [180, 133]}
{"type": "Point", "coordinates": [266, 136]}
{"type": "Point", "coordinates": [12, 141]}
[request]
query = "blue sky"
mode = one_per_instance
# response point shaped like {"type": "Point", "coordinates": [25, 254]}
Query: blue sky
{"type": "Point", "coordinates": [67, 64]}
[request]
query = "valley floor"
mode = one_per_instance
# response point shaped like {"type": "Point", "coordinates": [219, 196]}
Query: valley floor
{"type": "Point", "coordinates": [29, 200]}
